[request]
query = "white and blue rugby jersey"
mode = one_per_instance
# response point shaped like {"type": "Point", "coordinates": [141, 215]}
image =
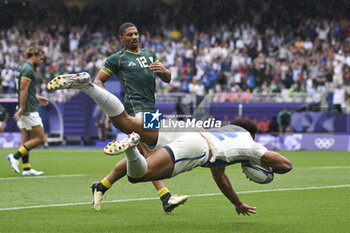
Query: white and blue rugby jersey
{"type": "Point", "coordinates": [233, 144]}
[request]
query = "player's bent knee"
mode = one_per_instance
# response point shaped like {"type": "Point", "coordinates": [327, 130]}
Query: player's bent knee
{"type": "Point", "coordinates": [42, 139]}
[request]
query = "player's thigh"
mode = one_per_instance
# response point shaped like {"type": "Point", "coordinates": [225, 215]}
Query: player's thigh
{"type": "Point", "coordinates": [190, 150]}
{"type": "Point", "coordinates": [159, 165]}
{"type": "Point", "coordinates": [26, 135]}
{"type": "Point", "coordinates": [143, 149]}
{"type": "Point", "coordinates": [38, 133]}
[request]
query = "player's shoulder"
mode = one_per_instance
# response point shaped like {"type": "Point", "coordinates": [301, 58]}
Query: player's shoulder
{"type": "Point", "coordinates": [233, 128]}
{"type": "Point", "coordinates": [114, 59]}
{"type": "Point", "coordinates": [27, 70]}
{"type": "Point", "coordinates": [117, 54]}
{"type": "Point", "coordinates": [27, 66]}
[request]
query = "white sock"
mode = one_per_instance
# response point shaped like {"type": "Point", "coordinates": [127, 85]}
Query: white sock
{"type": "Point", "coordinates": [136, 164]}
{"type": "Point", "coordinates": [108, 102]}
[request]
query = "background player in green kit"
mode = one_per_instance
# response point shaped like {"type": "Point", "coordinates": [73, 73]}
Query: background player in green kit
{"type": "Point", "coordinates": [27, 116]}
{"type": "Point", "coordinates": [4, 116]}
{"type": "Point", "coordinates": [136, 69]}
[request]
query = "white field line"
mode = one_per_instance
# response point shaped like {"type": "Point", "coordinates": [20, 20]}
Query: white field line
{"type": "Point", "coordinates": [195, 195]}
{"type": "Point", "coordinates": [41, 177]}
{"type": "Point", "coordinates": [77, 175]}
{"type": "Point", "coordinates": [321, 168]}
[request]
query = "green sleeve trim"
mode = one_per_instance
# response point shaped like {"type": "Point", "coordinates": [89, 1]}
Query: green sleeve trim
{"type": "Point", "coordinates": [107, 71]}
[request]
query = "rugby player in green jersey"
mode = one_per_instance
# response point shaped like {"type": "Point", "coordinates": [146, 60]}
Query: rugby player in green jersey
{"type": "Point", "coordinates": [4, 116]}
{"type": "Point", "coordinates": [136, 69]}
{"type": "Point", "coordinates": [27, 116]}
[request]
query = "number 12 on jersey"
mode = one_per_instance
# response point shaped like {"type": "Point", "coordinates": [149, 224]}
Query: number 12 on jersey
{"type": "Point", "coordinates": [142, 61]}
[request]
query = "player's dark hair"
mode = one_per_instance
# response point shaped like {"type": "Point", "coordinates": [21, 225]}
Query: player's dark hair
{"type": "Point", "coordinates": [246, 124]}
{"type": "Point", "coordinates": [124, 26]}
{"type": "Point", "coordinates": [33, 49]}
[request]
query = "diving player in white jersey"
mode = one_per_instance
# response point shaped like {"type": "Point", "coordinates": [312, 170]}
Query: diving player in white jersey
{"type": "Point", "coordinates": [215, 149]}
{"type": "Point", "coordinates": [177, 152]}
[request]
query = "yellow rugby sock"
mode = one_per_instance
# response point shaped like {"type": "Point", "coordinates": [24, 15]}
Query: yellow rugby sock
{"type": "Point", "coordinates": [23, 150]}
{"type": "Point", "coordinates": [164, 195]}
{"type": "Point", "coordinates": [162, 192]}
{"type": "Point", "coordinates": [105, 182]}
{"type": "Point", "coordinates": [26, 166]}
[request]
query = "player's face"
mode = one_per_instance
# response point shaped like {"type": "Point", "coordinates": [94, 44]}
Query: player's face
{"type": "Point", "coordinates": [39, 59]}
{"type": "Point", "coordinates": [130, 38]}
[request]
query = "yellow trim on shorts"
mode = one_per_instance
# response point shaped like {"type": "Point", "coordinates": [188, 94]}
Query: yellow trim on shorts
{"type": "Point", "coordinates": [26, 78]}
{"type": "Point", "coordinates": [36, 126]}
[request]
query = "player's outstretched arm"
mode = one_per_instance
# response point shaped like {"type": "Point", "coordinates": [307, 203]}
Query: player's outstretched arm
{"type": "Point", "coordinates": [278, 162]}
{"type": "Point", "coordinates": [225, 186]}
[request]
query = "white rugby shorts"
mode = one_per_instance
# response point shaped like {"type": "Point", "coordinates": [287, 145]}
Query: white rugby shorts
{"type": "Point", "coordinates": [2, 124]}
{"type": "Point", "coordinates": [27, 122]}
{"type": "Point", "coordinates": [188, 151]}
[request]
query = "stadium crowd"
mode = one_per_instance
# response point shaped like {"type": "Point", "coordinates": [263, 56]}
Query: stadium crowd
{"type": "Point", "coordinates": [241, 47]}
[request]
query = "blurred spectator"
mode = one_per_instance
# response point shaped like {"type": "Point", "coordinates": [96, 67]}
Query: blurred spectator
{"type": "Point", "coordinates": [7, 76]}
{"type": "Point", "coordinates": [221, 82]}
{"type": "Point", "coordinates": [274, 126]}
{"type": "Point", "coordinates": [179, 111]}
{"type": "Point", "coordinates": [309, 86]}
{"type": "Point", "coordinates": [322, 31]}
{"type": "Point", "coordinates": [226, 120]}
{"type": "Point", "coordinates": [197, 88]}
{"type": "Point", "coordinates": [74, 39]}
{"type": "Point", "coordinates": [111, 132]}
{"type": "Point", "coordinates": [321, 80]}
{"type": "Point", "coordinates": [185, 88]}
{"type": "Point", "coordinates": [338, 63]}
{"type": "Point", "coordinates": [100, 124]}
{"type": "Point", "coordinates": [329, 80]}
{"type": "Point", "coordinates": [338, 98]}
{"type": "Point", "coordinates": [263, 125]}
{"type": "Point", "coordinates": [284, 120]}
{"type": "Point", "coordinates": [93, 67]}
{"type": "Point", "coordinates": [4, 116]}
{"type": "Point", "coordinates": [347, 80]}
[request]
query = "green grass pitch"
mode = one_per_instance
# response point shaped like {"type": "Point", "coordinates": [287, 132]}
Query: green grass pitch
{"type": "Point", "coordinates": [313, 197]}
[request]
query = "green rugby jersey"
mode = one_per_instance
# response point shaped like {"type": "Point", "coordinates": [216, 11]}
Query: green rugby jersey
{"type": "Point", "coordinates": [132, 69]}
{"type": "Point", "coordinates": [27, 72]}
